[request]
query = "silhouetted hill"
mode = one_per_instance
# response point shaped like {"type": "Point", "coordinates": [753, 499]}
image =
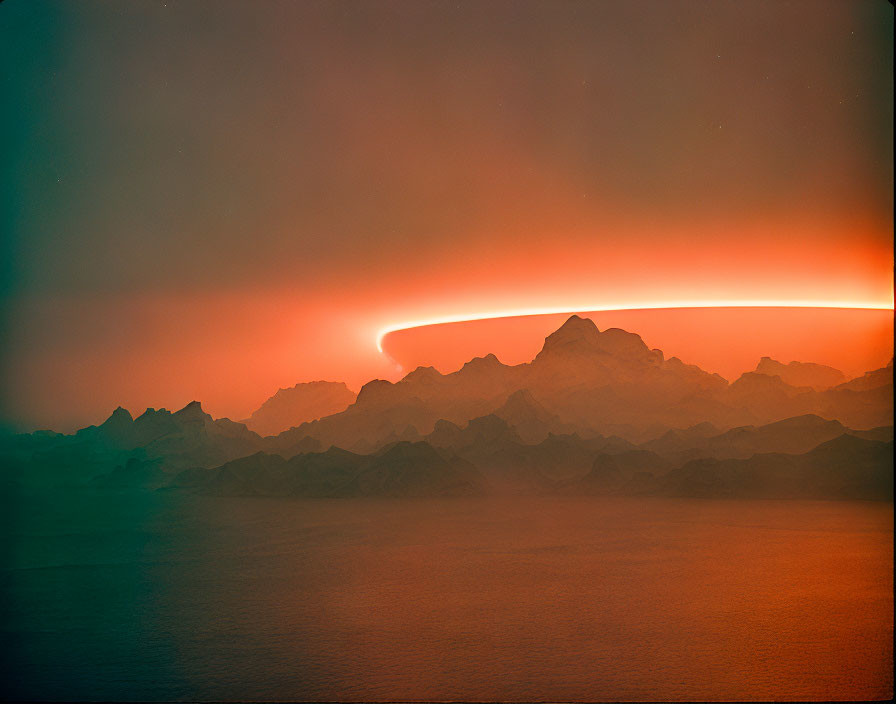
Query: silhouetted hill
{"type": "Point", "coordinates": [401, 470]}
{"type": "Point", "coordinates": [870, 380]}
{"type": "Point", "coordinates": [628, 473]}
{"type": "Point", "coordinates": [769, 398]}
{"type": "Point", "coordinates": [155, 441]}
{"type": "Point", "coordinates": [259, 474]}
{"type": "Point", "coordinates": [135, 473]}
{"type": "Point", "coordinates": [54, 460]}
{"type": "Point", "coordinates": [759, 393]}
{"type": "Point", "coordinates": [531, 420]}
{"type": "Point", "coordinates": [415, 469]}
{"type": "Point", "coordinates": [512, 465]}
{"type": "Point", "coordinates": [584, 380]}
{"type": "Point", "coordinates": [588, 382]}
{"type": "Point", "coordinates": [816, 376]}
{"type": "Point", "coordinates": [882, 434]}
{"type": "Point", "coordinates": [846, 467]}
{"type": "Point", "coordinates": [791, 435]}
{"type": "Point", "coordinates": [579, 339]}
{"type": "Point", "coordinates": [305, 402]}
{"type": "Point", "coordinates": [866, 408]}
{"type": "Point", "coordinates": [594, 412]}
{"type": "Point", "coordinates": [678, 440]}
{"type": "Point", "coordinates": [324, 474]}
{"type": "Point", "coordinates": [487, 433]}
{"type": "Point", "coordinates": [610, 382]}
{"type": "Point", "coordinates": [189, 437]}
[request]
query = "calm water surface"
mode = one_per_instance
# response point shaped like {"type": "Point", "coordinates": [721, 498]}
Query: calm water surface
{"type": "Point", "coordinates": [161, 596]}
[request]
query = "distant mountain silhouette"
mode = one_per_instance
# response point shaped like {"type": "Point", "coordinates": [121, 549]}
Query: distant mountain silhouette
{"type": "Point", "coordinates": [677, 440]}
{"type": "Point", "coordinates": [186, 437]}
{"type": "Point", "coordinates": [870, 380]}
{"type": "Point", "coordinates": [532, 421]}
{"type": "Point", "coordinates": [400, 470]}
{"type": "Point", "coordinates": [816, 376]}
{"type": "Point", "coordinates": [792, 435]}
{"type": "Point", "coordinates": [513, 465]}
{"type": "Point", "coordinates": [142, 473]}
{"type": "Point", "coordinates": [627, 473]}
{"type": "Point", "coordinates": [846, 467]}
{"type": "Point", "coordinates": [583, 380]}
{"type": "Point", "coordinates": [589, 382]}
{"type": "Point", "coordinates": [300, 404]}
{"type": "Point", "coordinates": [122, 446]}
{"type": "Point", "coordinates": [595, 413]}
{"type": "Point", "coordinates": [769, 398]}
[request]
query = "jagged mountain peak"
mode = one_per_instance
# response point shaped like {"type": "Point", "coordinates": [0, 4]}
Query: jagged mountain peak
{"type": "Point", "coordinates": [575, 332]}
{"type": "Point", "coordinates": [336, 452]}
{"type": "Point", "coordinates": [704, 428]}
{"type": "Point", "coordinates": [489, 424]}
{"type": "Point", "coordinates": [373, 391]}
{"type": "Point", "coordinates": [848, 443]}
{"type": "Point", "coordinates": [581, 337]}
{"type": "Point", "coordinates": [522, 396]}
{"type": "Point", "coordinates": [119, 415]}
{"type": "Point", "coordinates": [443, 425]}
{"type": "Point", "coordinates": [522, 403]}
{"type": "Point", "coordinates": [192, 411]}
{"type": "Point", "coordinates": [302, 403]}
{"type": "Point", "coordinates": [807, 420]}
{"type": "Point", "coordinates": [423, 374]}
{"type": "Point", "coordinates": [619, 342]}
{"type": "Point", "coordinates": [318, 383]}
{"type": "Point", "coordinates": [576, 322]}
{"type": "Point", "coordinates": [757, 381]}
{"type": "Point", "coordinates": [489, 361]}
{"type": "Point", "coordinates": [527, 416]}
{"type": "Point", "coordinates": [150, 413]}
{"type": "Point", "coordinates": [874, 379]}
{"type": "Point", "coordinates": [817, 376]}
{"type": "Point", "coordinates": [407, 450]}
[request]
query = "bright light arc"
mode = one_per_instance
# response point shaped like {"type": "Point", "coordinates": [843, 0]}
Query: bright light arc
{"type": "Point", "coordinates": [470, 317]}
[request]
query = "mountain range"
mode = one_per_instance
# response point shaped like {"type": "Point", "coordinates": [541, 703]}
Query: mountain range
{"type": "Point", "coordinates": [595, 412]}
{"type": "Point", "coordinates": [302, 403]}
{"type": "Point", "coordinates": [594, 382]}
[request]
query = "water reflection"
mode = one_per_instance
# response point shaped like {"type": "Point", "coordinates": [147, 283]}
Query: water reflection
{"type": "Point", "coordinates": [156, 595]}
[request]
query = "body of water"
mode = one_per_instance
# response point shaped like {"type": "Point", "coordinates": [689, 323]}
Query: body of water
{"type": "Point", "coordinates": [163, 596]}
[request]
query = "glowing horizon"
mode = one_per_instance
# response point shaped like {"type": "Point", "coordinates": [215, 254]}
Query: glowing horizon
{"type": "Point", "coordinates": [472, 317]}
{"type": "Point", "coordinates": [430, 175]}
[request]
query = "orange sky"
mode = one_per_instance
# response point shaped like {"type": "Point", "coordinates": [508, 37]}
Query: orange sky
{"type": "Point", "coordinates": [727, 341]}
{"type": "Point", "coordinates": [215, 204]}
{"type": "Point", "coordinates": [76, 358]}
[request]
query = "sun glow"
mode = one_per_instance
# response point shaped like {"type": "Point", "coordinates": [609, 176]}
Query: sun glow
{"type": "Point", "coordinates": [470, 317]}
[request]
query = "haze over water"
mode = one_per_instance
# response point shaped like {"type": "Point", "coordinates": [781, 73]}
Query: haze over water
{"type": "Point", "coordinates": [152, 595]}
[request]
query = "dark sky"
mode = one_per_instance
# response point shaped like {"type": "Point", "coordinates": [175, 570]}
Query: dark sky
{"type": "Point", "coordinates": [364, 162]}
